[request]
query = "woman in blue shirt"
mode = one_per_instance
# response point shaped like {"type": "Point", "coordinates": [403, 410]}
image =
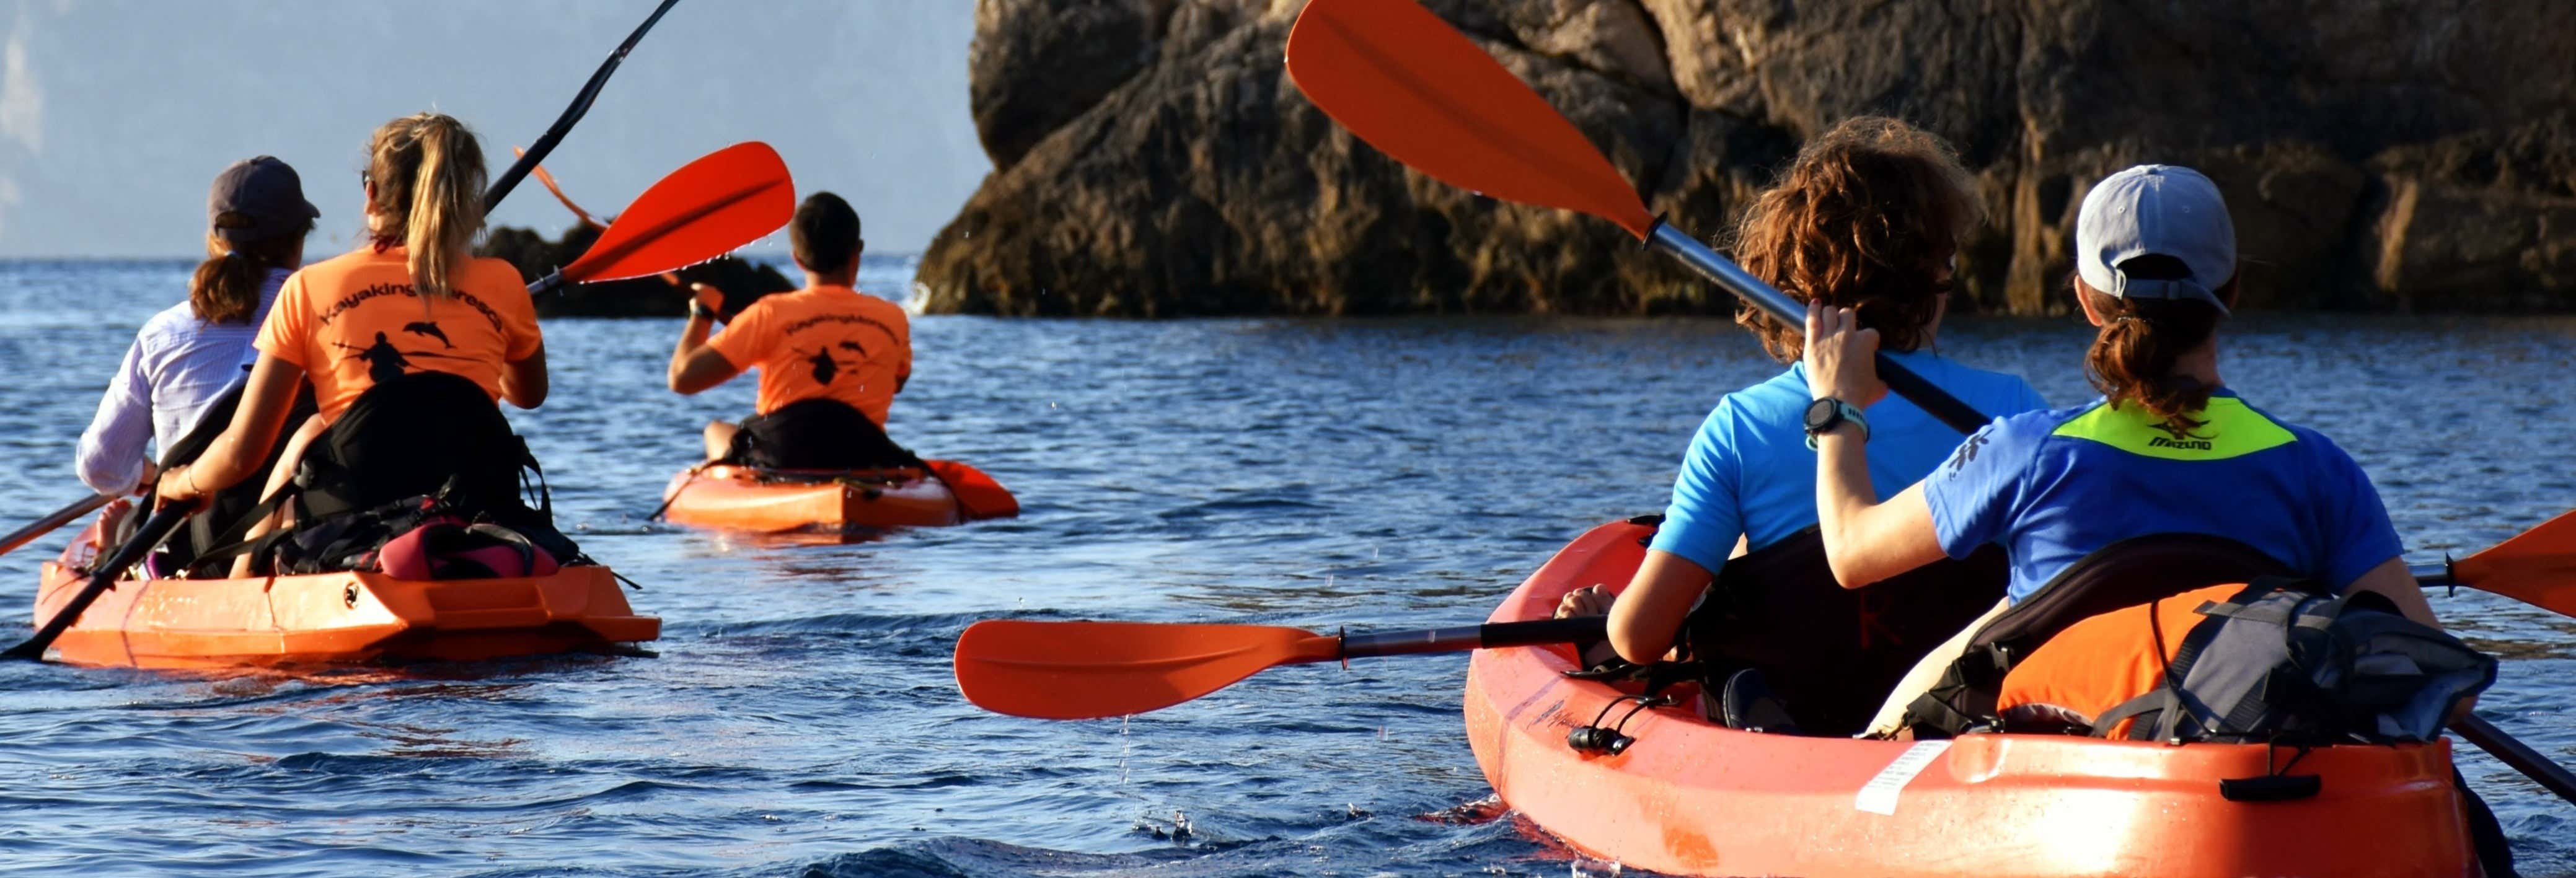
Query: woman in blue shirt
{"type": "Point", "coordinates": [2168, 449]}
{"type": "Point", "coordinates": [187, 356]}
{"type": "Point", "coordinates": [1867, 218]}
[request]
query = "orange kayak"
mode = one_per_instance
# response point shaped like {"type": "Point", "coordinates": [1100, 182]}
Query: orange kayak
{"type": "Point", "coordinates": [778, 501]}
{"type": "Point", "coordinates": [1692, 797]}
{"type": "Point", "coordinates": [333, 618]}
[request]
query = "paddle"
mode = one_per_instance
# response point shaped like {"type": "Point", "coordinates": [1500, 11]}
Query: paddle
{"type": "Point", "coordinates": [1421, 92]}
{"type": "Point", "coordinates": [55, 519]}
{"type": "Point", "coordinates": [1093, 670]}
{"type": "Point", "coordinates": [979, 496]}
{"type": "Point", "coordinates": [581, 102]}
{"type": "Point", "coordinates": [727, 199]}
{"type": "Point", "coordinates": [2536, 567]}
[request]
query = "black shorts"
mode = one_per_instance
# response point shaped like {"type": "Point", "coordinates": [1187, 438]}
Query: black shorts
{"type": "Point", "coordinates": [815, 434]}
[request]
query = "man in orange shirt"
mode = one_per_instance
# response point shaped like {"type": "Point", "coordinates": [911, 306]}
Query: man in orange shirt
{"type": "Point", "coordinates": [830, 357]}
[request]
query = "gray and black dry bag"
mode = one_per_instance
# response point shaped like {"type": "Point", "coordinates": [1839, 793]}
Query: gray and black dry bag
{"type": "Point", "coordinates": [2279, 663]}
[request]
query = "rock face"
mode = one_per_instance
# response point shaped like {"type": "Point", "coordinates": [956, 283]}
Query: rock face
{"type": "Point", "coordinates": [742, 282]}
{"type": "Point", "coordinates": [1152, 158]}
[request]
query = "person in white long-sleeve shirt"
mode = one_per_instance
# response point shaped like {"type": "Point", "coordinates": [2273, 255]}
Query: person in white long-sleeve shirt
{"type": "Point", "coordinates": [185, 358]}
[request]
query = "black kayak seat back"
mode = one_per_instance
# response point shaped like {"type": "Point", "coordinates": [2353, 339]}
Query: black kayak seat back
{"type": "Point", "coordinates": [2125, 574]}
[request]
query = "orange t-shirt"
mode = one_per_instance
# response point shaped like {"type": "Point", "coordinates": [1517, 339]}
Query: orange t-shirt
{"type": "Point", "coordinates": [2096, 664]}
{"type": "Point", "coordinates": [821, 342]}
{"type": "Point", "coordinates": [353, 320]}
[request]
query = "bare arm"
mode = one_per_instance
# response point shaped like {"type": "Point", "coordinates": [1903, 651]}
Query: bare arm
{"type": "Point", "coordinates": [1865, 540]}
{"type": "Point", "coordinates": [2391, 580]}
{"type": "Point", "coordinates": [523, 382]}
{"type": "Point", "coordinates": [244, 445]}
{"type": "Point", "coordinates": [694, 365]}
{"type": "Point", "coordinates": [1647, 618]}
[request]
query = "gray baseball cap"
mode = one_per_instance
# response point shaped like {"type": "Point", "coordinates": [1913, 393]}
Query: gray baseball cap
{"type": "Point", "coordinates": [267, 191]}
{"type": "Point", "coordinates": [2158, 210]}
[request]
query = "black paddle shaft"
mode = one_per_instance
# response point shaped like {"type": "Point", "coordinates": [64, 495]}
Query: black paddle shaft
{"type": "Point", "coordinates": [2517, 755]}
{"type": "Point", "coordinates": [537, 151]}
{"type": "Point", "coordinates": [1762, 296]}
{"type": "Point", "coordinates": [1466, 637]}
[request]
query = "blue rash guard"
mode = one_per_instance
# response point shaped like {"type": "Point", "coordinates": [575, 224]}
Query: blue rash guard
{"type": "Point", "coordinates": [2053, 486]}
{"type": "Point", "coordinates": [1749, 472]}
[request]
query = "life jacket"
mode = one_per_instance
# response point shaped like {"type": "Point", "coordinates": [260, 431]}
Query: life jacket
{"type": "Point", "coordinates": [2123, 574]}
{"type": "Point", "coordinates": [2278, 662]}
{"type": "Point", "coordinates": [1829, 653]}
{"type": "Point", "coordinates": [819, 434]}
{"type": "Point", "coordinates": [408, 449]}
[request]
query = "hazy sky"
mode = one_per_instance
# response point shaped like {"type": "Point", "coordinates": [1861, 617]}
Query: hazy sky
{"type": "Point", "coordinates": [115, 115]}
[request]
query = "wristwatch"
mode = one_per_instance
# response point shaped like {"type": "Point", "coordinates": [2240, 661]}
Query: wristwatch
{"type": "Point", "coordinates": [1824, 415]}
{"type": "Point", "coordinates": [699, 308]}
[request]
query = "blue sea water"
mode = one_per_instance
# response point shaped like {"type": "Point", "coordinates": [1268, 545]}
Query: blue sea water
{"type": "Point", "coordinates": [801, 718]}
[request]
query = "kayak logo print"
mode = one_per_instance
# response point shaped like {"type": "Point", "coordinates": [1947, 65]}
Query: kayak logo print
{"type": "Point", "coordinates": [386, 362]}
{"type": "Point", "coordinates": [374, 291]}
{"type": "Point", "coordinates": [1967, 451]}
{"type": "Point", "coordinates": [826, 367]}
{"type": "Point", "coordinates": [2178, 435]}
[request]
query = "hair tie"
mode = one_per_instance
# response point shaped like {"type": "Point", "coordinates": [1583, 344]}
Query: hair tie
{"type": "Point", "coordinates": [233, 254]}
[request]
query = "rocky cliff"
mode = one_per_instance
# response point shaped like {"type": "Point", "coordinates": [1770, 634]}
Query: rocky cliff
{"type": "Point", "coordinates": [1152, 158]}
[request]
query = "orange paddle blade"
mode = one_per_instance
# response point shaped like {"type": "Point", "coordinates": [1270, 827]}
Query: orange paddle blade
{"type": "Point", "coordinates": [2536, 567]}
{"type": "Point", "coordinates": [978, 494]}
{"type": "Point", "coordinates": [1420, 91]}
{"type": "Point", "coordinates": [1093, 670]}
{"type": "Point", "coordinates": [726, 199]}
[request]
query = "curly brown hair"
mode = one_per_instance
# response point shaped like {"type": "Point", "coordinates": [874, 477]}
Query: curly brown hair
{"type": "Point", "coordinates": [1866, 218]}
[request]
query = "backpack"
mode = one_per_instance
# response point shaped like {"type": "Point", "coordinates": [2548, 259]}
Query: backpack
{"type": "Point", "coordinates": [2279, 663]}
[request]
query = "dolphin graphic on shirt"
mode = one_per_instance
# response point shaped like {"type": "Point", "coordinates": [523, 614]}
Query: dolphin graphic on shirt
{"type": "Point", "coordinates": [428, 328]}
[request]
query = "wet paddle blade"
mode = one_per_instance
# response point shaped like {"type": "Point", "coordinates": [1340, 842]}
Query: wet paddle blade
{"type": "Point", "coordinates": [1420, 91]}
{"type": "Point", "coordinates": [979, 495]}
{"type": "Point", "coordinates": [2536, 567]}
{"type": "Point", "coordinates": [1094, 670]}
{"type": "Point", "coordinates": [722, 201]}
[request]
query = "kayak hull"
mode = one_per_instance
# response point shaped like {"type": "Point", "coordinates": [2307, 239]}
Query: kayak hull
{"type": "Point", "coordinates": [783, 501]}
{"type": "Point", "coordinates": [334, 618]}
{"type": "Point", "coordinates": [1691, 797]}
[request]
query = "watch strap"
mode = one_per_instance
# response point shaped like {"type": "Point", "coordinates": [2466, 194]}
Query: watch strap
{"type": "Point", "coordinates": [1844, 412]}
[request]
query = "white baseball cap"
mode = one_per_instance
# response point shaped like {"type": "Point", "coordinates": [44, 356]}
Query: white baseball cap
{"type": "Point", "coordinates": [2156, 210]}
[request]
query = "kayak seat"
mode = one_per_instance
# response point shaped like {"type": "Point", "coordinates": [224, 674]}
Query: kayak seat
{"type": "Point", "coordinates": [1828, 653]}
{"type": "Point", "coordinates": [2123, 574]}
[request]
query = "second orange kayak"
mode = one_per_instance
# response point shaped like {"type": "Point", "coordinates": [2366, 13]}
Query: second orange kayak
{"type": "Point", "coordinates": [1692, 797]}
{"type": "Point", "coordinates": [780, 501]}
{"type": "Point", "coordinates": [334, 618]}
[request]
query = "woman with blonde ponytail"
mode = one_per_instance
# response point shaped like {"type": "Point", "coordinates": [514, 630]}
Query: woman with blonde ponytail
{"type": "Point", "coordinates": [408, 343]}
{"type": "Point", "coordinates": [187, 356]}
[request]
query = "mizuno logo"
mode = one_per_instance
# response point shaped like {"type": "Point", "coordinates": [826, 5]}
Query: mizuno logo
{"type": "Point", "coordinates": [2191, 444]}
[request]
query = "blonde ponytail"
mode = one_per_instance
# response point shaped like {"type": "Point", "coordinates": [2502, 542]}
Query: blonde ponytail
{"type": "Point", "coordinates": [428, 172]}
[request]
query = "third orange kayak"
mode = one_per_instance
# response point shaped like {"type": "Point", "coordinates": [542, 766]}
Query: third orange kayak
{"type": "Point", "coordinates": [780, 501]}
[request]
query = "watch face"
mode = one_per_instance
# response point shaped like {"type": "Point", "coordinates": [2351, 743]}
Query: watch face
{"type": "Point", "coordinates": [1822, 414]}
